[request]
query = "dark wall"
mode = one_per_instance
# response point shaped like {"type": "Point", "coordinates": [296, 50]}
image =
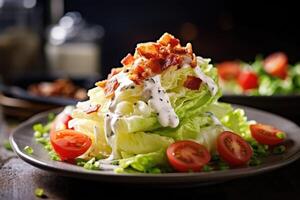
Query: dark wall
{"type": "Point", "coordinates": [217, 29]}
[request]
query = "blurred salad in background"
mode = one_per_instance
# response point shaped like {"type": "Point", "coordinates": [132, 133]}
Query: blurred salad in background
{"type": "Point", "coordinates": [272, 75]}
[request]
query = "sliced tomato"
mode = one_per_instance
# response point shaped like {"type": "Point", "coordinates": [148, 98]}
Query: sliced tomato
{"type": "Point", "coordinates": [185, 156]}
{"type": "Point", "coordinates": [276, 64]}
{"type": "Point", "coordinates": [229, 70]}
{"type": "Point", "coordinates": [233, 149]}
{"type": "Point", "coordinates": [192, 82]}
{"type": "Point", "coordinates": [248, 80]}
{"type": "Point", "coordinates": [69, 144]}
{"type": "Point", "coordinates": [266, 134]}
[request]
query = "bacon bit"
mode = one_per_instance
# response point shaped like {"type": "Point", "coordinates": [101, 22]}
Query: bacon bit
{"type": "Point", "coordinates": [110, 88]}
{"type": "Point", "coordinates": [127, 60]}
{"type": "Point", "coordinates": [101, 84]}
{"type": "Point", "coordinates": [167, 39]}
{"type": "Point", "coordinates": [148, 50]}
{"type": "Point", "coordinates": [155, 64]}
{"type": "Point", "coordinates": [194, 61]}
{"type": "Point", "coordinates": [170, 60]}
{"type": "Point", "coordinates": [92, 109]}
{"type": "Point", "coordinates": [192, 83]}
{"type": "Point", "coordinates": [135, 78]}
{"type": "Point", "coordinates": [114, 71]}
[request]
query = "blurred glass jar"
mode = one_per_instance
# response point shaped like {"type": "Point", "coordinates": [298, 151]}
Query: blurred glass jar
{"type": "Point", "coordinates": [73, 47]}
{"type": "Point", "coordinates": [20, 41]}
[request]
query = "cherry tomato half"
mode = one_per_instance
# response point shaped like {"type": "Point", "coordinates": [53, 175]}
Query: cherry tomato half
{"type": "Point", "coordinates": [276, 64]}
{"type": "Point", "coordinates": [266, 134]}
{"type": "Point", "coordinates": [69, 144]}
{"type": "Point", "coordinates": [233, 149]}
{"type": "Point", "coordinates": [229, 70]}
{"type": "Point", "coordinates": [248, 80]}
{"type": "Point", "coordinates": [185, 156]}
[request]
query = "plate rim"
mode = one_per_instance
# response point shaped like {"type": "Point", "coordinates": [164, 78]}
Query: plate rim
{"type": "Point", "coordinates": [147, 178]}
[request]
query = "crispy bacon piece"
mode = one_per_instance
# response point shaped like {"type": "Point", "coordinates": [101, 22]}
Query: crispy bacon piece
{"type": "Point", "coordinates": [114, 71]}
{"type": "Point", "coordinates": [110, 88]}
{"type": "Point", "coordinates": [127, 60]}
{"type": "Point", "coordinates": [155, 64]}
{"type": "Point", "coordinates": [92, 109]}
{"type": "Point", "coordinates": [192, 83]}
{"type": "Point", "coordinates": [167, 39]}
{"type": "Point", "coordinates": [148, 50]}
{"type": "Point", "coordinates": [170, 60]}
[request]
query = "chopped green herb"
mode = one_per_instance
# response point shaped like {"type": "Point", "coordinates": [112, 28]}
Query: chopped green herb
{"type": "Point", "coordinates": [39, 192]}
{"type": "Point", "coordinates": [7, 145]}
{"type": "Point", "coordinates": [280, 135]}
{"type": "Point", "coordinates": [154, 170]}
{"type": "Point", "coordinates": [223, 166]}
{"type": "Point", "coordinates": [39, 128]}
{"type": "Point", "coordinates": [54, 156]}
{"type": "Point", "coordinates": [80, 161]}
{"type": "Point", "coordinates": [37, 134]}
{"type": "Point", "coordinates": [90, 164]}
{"type": "Point", "coordinates": [215, 157]}
{"type": "Point", "coordinates": [279, 149]}
{"type": "Point", "coordinates": [28, 150]}
{"type": "Point", "coordinates": [207, 168]}
{"type": "Point", "coordinates": [51, 117]}
{"type": "Point", "coordinates": [43, 141]}
{"type": "Point", "coordinates": [254, 161]}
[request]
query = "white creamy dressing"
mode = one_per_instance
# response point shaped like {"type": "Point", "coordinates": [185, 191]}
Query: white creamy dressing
{"type": "Point", "coordinates": [160, 102]}
{"type": "Point", "coordinates": [212, 86]}
{"type": "Point", "coordinates": [125, 83]}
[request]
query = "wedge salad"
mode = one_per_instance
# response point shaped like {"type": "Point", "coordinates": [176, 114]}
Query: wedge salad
{"type": "Point", "coordinates": [158, 113]}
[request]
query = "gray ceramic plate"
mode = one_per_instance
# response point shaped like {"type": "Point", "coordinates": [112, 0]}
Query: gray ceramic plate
{"type": "Point", "coordinates": [23, 136]}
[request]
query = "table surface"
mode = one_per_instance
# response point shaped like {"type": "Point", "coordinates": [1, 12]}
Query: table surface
{"type": "Point", "coordinates": [18, 180]}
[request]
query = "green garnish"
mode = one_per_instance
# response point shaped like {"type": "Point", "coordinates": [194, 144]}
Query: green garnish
{"type": "Point", "coordinates": [254, 161]}
{"type": "Point", "coordinates": [43, 141]}
{"type": "Point", "coordinates": [207, 168]}
{"type": "Point", "coordinates": [279, 149]}
{"type": "Point", "coordinates": [223, 166]}
{"type": "Point", "coordinates": [28, 150]}
{"type": "Point", "coordinates": [51, 117]}
{"type": "Point", "coordinates": [39, 192]}
{"type": "Point", "coordinates": [54, 156]}
{"type": "Point", "coordinates": [80, 161]}
{"type": "Point", "coordinates": [7, 145]}
{"type": "Point", "coordinates": [280, 135]}
{"type": "Point", "coordinates": [92, 164]}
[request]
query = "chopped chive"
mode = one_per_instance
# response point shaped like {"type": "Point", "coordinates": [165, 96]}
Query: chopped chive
{"type": "Point", "coordinates": [28, 150]}
{"type": "Point", "coordinates": [215, 157]}
{"type": "Point", "coordinates": [7, 145]}
{"type": "Point", "coordinates": [207, 168]}
{"type": "Point", "coordinates": [154, 170]}
{"type": "Point", "coordinates": [223, 166]}
{"type": "Point", "coordinates": [254, 161]}
{"type": "Point", "coordinates": [279, 149]}
{"type": "Point", "coordinates": [280, 135]}
{"type": "Point", "coordinates": [54, 156]}
{"type": "Point", "coordinates": [37, 134]}
{"type": "Point", "coordinates": [39, 192]}
{"type": "Point", "coordinates": [38, 128]}
{"type": "Point", "coordinates": [51, 117]}
{"type": "Point", "coordinates": [43, 141]}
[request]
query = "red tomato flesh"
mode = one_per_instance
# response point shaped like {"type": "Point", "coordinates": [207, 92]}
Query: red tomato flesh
{"type": "Point", "coordinates": [229, 70]}
{"type": "Point", "coordinates": [186, 156]}
{"type": "Point", "coordinates": [276, 64]}
{"type": "Point", "coordinates": [266, 134]}
{"type": "Point", "coordinates": [69, 144]}
{"type": "Point", "coordinates": [248, 80]}
{"type": "Point", "coordinates": [233, 149]}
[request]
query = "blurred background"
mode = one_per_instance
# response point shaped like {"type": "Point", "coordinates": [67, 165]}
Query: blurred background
{"type": "Point", "coordinates": [42, 40]}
